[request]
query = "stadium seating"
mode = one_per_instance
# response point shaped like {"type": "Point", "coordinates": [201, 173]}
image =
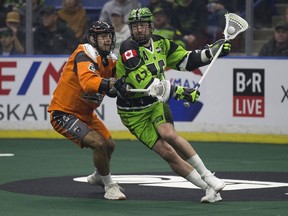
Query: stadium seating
{"type": "Point", "coordinates": [93, 8]}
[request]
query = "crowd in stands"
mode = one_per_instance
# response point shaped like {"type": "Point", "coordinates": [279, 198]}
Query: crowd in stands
{"type": "Point", "coordinates": [190, 23]}
{"type": "Point", "coordinates": [278, 44]}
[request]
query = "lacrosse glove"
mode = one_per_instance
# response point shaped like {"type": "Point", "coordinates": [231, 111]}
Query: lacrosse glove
{"type": "Point", "coordinates": [113, 91]}
{"type": "Point", "coordinates": [213, 48]}
{"type": "Point", "coordinates": [122, 87]}
{"type": "Point", "coordinates": [187, 94]}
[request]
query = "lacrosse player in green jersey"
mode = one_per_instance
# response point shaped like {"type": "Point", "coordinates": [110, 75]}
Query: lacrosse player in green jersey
{"type": "Point", "coordinates": [140, 67]}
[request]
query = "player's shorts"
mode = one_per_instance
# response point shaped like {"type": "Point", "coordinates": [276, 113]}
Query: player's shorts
{"type": "Point", "coordinates": [75, 129]}
{"type": "Point", "coordinates": [143, 124]}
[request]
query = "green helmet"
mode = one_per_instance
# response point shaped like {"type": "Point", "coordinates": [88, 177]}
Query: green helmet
{"type": "Point", "coordinates": [140, 15]}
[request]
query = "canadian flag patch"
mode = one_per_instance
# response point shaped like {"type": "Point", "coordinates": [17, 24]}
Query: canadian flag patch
{"type": "Point", "coordinates": [129, 54]}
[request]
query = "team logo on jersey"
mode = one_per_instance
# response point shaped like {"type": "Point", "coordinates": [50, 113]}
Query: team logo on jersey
{"type": "Point", "coordinates": [91, 67]}
{"type": "Point", "coordinates": [129, 54]}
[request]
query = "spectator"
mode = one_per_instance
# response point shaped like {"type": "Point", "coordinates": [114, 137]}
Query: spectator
{"type": "Point", "coordinates": [122, 30]}
{"type": "Point", "coordinates": [13, 22]}
{"type": "Point", "coordinates": [7, 47]}
{"type": "Point", "coordinates": [37, 6]}
{"type": "Point", "coordinates": [278, 45]}
{"type": "Point", "coordinates": [3, 12]}
{"type": "Point", "coordinates": [263, 12]}
{"type": "Point", "coordinates": [125, 5]}
{"type": "Point", "coordinates": [234, 6]}
{"type": "Point", "coordinates": [53, 36]}
{"type": "Point", "coordinates": [75, 16]}
{"type": "Point", "coordinates": [164, 29]}
{"type": "Point", "coordinates": [167, 6]}
{"type": "Point", "coordinates": [190, 17]}
{"type": "Point", "coordinates": [14, 4]}
{"type": "Point", "coordinates": [216, 19]}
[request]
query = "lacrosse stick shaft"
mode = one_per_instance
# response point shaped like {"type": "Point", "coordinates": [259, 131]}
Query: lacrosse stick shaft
{"type": "Point", "coordinates": [186, 104]}
{"type": "Point", "coordinates": [208, 68]}
{"type": "Point", "coordinates": [139, 90]}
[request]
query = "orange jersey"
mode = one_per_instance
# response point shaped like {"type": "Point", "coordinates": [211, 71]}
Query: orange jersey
{"type": "Point", "coordinates": [76, 91]}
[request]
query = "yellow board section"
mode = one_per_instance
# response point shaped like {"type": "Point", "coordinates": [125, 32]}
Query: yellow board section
{"type": "Point", "coordinates": [191, 136]}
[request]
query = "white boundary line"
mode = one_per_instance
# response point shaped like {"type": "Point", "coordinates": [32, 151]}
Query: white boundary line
{"type": "Point", "coordinates": [6, 155]}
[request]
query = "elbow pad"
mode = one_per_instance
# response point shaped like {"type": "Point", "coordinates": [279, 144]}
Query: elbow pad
{"type": "Point", "coordinates": [104, 86]}
{"type": "Point", "coordinates": [196, 59]}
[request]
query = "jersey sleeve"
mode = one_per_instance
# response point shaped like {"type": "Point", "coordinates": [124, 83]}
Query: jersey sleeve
{"type": "Point", "coordinates": [87, 73]}
{"type": "Point", "coordinates": [176, 56]}
{"type": "Point", "coordinates": [130, 55]}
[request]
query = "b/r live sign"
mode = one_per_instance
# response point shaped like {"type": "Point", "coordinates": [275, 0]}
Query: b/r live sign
{"type": "Point", "coordinates": [248, 92]}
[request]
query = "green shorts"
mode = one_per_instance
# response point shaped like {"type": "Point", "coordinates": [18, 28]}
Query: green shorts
{"type": "Point", "coordinates": [143, 124]}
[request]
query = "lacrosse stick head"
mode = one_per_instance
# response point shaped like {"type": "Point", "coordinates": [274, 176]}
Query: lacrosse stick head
{"type": "Point", "coordinates": [161, 90]}
{"type": "Point", "coordinates": [234, 26]}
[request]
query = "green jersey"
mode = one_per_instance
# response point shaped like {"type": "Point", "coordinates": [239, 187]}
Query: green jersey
{"type": "Point", "coordinates": [139, 65]}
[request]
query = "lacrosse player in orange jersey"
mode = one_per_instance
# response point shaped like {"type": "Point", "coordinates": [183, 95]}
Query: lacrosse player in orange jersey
{"type": "Point", "coordinates": [86, 78]}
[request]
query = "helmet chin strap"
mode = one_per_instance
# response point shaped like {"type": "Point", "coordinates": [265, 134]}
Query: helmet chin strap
{"type": "Point", "coordinates": [103, 52]}
{"type": "Point", "coordinates": [104, 60]}
{"type": "Point", "coordinates": [142, 42]}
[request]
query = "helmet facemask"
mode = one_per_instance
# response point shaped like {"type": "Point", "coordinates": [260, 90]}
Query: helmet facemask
{"type": "Point", "coordinates": [140, 18]}
{"type": "Point", "coordinates": [97, 29]}
{"type": "Point", "coordinates": [141, 37]}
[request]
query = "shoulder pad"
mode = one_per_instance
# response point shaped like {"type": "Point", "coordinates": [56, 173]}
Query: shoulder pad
{"type": "Point", "coordinates": [90, 51]}
{"type": "Point", "coordinates": [130, 54]}
{"type": "Point", "coordinates": [128, 45]}
{"type": "Point", "coordinates": [157, 37]}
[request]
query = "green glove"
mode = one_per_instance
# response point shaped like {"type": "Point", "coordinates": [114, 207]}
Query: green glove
{"type": "Point", "coordinates": [187, 94]}
{"type": "Point", "coordinates": [213, 48]}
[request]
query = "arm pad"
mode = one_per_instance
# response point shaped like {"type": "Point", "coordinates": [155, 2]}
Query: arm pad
{"type": "Point", "coordinates": [122, 87]}
{"type": "Point", "coordinates": [196, 59]}
{"type": "Point", "coordinates": [104, 86]}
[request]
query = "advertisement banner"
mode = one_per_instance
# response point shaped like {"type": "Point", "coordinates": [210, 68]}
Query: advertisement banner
{"type": "Point", "coordinates": [238, 95]}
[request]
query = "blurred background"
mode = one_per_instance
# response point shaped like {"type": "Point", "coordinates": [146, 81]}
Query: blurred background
{"type": "Point", "coordinates": [191, 23]}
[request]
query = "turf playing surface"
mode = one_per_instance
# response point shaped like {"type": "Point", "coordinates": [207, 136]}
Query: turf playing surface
{"type": "Point", "coordinates": [59, 159]}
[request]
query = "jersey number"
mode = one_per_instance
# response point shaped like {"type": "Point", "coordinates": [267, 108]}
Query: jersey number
{"type": "Point", "coordinates": [152, 68]}
{"type": "Point", "coordinates": [141, 76]}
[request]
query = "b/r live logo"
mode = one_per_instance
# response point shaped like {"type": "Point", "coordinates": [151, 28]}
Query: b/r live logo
{"type": "Point", "coordinates": [248, 92]}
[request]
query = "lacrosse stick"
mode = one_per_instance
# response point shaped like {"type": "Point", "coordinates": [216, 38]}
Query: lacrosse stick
{"type": "Point", "coordinates": [160, 89]}
{"type": "Point", "coordinates": [139, 90]}
{"type": "Point", "coordinates": [234, 26]}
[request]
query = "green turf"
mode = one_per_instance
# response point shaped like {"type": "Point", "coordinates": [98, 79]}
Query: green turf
{"type": "Point", "coordinates": [37, 158]}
